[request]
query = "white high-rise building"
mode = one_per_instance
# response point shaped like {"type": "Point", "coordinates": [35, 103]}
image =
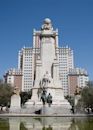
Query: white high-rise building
{"type": "Point", "coordinates": [26, 64]}
{"type": "Point", "coordinates": [66, 62]}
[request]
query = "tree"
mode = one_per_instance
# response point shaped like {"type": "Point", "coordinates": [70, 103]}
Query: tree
{"type": "Point", "coordinates": [5, 94]}
{"type": "Point", "coordinates": [87, 96]}
{"type": "Point", "coordinates": [70, 99]}
{"type": "Point", "coordinates": [25, 96]}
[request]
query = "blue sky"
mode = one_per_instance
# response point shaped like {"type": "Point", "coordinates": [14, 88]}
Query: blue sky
{"type": "Point", "coordinates": [73, 18]}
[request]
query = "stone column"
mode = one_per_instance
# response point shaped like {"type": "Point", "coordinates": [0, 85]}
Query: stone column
{"type": "Point", "coordinates": [37, 81]}
{"type": "Point", "coordinates": [56, 72]}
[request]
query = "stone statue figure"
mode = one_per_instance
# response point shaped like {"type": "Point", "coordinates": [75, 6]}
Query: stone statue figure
{"type": "Point", "coordinates": [43, 85]}
{"type": "Point", "coordinates": [16, 91]}
{"type": "Point", "coordinates": [45, 81]}
{"type": "Point", "coordinates": [47, 25]}
{"type": "Point", "coordinates": [42, 91]}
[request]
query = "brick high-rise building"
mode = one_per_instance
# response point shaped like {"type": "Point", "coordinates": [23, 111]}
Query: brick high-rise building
{"type": "Point", "coordinates": [77, 77]}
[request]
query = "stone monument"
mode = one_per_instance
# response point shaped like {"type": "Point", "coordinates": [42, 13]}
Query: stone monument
{"type": "Point", "coordinates": [47, 75]}
{"type": "Point", "coordinates": [77, 96]}
{"type": "Point", "coordinates": [15, 105]}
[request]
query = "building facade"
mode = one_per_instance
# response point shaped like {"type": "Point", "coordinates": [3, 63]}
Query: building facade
{"type": "Point", "coordinates": [26, 65]}
{"type": "Point", "coordinates": [14, 78]}
{"type": "Point", "coordinates": [77, 77]}
{"type": "Point", "coordinates": [66, 62]}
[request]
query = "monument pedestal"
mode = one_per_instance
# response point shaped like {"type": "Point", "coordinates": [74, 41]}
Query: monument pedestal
{"type": "Point", "coordinates": [55, 110]}
{"type": "Point", "coordinates": [59, 104]}
{"type": "Point", "coordinates": [15, 105]}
